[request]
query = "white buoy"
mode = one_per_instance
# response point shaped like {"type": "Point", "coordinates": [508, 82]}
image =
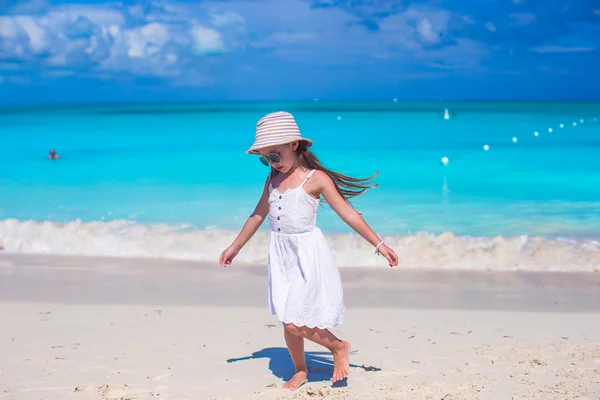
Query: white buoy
{"type": "Point", "coordinates": [339, 118]}
{"type": "Point", "coordinates": [445, 160]}
{"type": "Point", "coordinates": [446, 114]}
{"type": "Point", "coordinates": [550, 130]}
{"type": "Point", "coordinates": [486, 147]}
{"type": "Point", "coordinates": [574, 123]}
{"type": "Point", "coordinates": [562, 125]}
{"type": "Point", "coordinates": [536, 134]}
{"type": "Point", "coordinates": [515, 140]}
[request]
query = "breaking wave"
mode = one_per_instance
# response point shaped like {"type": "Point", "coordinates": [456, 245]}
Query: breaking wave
{"type": "Point", "coordinates": [423, 250]}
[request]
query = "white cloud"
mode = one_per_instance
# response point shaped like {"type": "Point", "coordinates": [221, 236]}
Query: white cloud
{"type": "Point", "coordinates": [171, 39]}
{"type": "Point", "coordinates": [410, 36]}
{"type": "Point", "coordinates": [60, 73]}
{"type": "Point", "coordinates": [156, 39]}
{"type": "Point", "coordinates": [206, 40]}
{"type": "Point", "coordinates": [227, 18]}
{"type": "Point", "coordinates": [561, 49]}
{"type": "Point", "coordinates": [443, 66]}
{"type": "Point", "coordinates": [415, 28]}
{"type": "Point", "coordinates": [426, 31]}
{"type": "Point", "coordinates": [336, 36]}
{"type": "Point", "coordinates": [9, 29]}
{"type": "Point", "coordinates": [468, 19]}
{"type": "Point", "coordinates": [146, 40]}
{"type": "Point", "coordinates": [172, 58]}
{"type": "Point", "coordinates": [114, 30]}
{"type": "Point", "coordinates": [57, 60]}
{"type": "Point", "coordinates": [99, 15]}
{"type": "Point", "coordinates": [490, 26]}
{"type": "Point", "coordinates": [38, 37]}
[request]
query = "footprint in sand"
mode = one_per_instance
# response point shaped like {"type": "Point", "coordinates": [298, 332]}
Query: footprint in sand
{"type": "Point", "coordinates": [113, 391]}
{"type": "Point", "coordinates": [532, 363]}
{"type": "Point", "coordinates": [322, 393]}
{"type": "Point", "coordinates": [266, 388]}
{"type": "Point", "coordinates": [4, 392]}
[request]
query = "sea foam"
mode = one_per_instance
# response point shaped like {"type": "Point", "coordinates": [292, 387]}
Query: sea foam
{"type": "Point", "coordinates": [422, 250]}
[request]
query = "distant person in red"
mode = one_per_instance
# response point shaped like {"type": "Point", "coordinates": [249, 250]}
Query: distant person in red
{"type": "Point", "coordinates": [52, 155]}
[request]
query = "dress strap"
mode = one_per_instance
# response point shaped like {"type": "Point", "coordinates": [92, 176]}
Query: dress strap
{"type": "Point", "coordinates": [270, 180]}
{"type": "Point", "coordinates": [308, 177]}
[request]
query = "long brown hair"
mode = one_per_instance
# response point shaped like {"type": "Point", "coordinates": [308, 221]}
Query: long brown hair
{"type": "Point", "coordinates": [346, 186]}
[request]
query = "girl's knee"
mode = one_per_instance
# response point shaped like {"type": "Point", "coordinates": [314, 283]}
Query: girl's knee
{"type": "Point", "coordinates": [291, 328]}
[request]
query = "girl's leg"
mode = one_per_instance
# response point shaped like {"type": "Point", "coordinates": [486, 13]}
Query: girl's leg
{"type": "Point", "coordinates": [339, 348]}
{"type": "Point", "coordinates": [295, 345]}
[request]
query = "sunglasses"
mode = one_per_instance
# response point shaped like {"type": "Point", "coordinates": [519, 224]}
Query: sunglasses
{"type": "Point", "coordinates": [270, 158]}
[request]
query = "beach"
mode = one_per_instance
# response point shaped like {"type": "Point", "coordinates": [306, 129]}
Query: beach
{"type": "Point", "coordinates": [146, 142]}
{"type": "Point", "coordinates": [110, 288]}
{"type": "Point", "coordinates": [117, 328]}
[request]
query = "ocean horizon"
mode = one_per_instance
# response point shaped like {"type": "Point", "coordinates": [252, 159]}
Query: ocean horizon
{"type": "Point", "coordinates": [501, 185]}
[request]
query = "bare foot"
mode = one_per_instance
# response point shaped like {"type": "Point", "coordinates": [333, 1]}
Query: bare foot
{"type": "Point", "coordinates": [297, 380]}
{"type": "Point", "coordinates": [341, 362]}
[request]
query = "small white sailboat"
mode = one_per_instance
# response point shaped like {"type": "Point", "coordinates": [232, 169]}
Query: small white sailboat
{"type": "Point", "coordinates": [447, 114]}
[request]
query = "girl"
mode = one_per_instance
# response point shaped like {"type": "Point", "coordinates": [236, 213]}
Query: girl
{"type": "Point", "coordinates": [305, 289]}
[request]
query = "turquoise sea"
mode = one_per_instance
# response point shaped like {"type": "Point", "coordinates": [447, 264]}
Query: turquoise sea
{"type": "Point", "coordinates": [168, 171]}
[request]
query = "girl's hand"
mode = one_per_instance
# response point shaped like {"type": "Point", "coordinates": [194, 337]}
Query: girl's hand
{"type": "Point", "coordinates": [389, 255]}
{"type": "Point", "coordinates": [228, 255]}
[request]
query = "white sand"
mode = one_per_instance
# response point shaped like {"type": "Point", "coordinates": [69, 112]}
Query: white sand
{"type": "Point", "coordinates": [76, 328]}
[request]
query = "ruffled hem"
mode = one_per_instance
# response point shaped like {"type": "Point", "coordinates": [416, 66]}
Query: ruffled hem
{"type": "Point", "coordinates": [311, 326]}
{"type": "Point", "coordinates": [311, 323]}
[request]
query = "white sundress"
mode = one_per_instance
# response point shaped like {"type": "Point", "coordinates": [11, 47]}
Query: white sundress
{"type": "Point", "coordinates": [305, 288]}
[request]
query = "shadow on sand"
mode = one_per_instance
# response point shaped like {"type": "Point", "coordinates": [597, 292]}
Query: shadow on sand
{"type": "Point", "coordinates": [320, 364]}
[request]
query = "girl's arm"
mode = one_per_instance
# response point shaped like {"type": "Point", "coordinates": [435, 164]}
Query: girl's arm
{"type": "Point", "coordinates": [250, 227]}
{"type": "Point", "coordinates": [349, 215]}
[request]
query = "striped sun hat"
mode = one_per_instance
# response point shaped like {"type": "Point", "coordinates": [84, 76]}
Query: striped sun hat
{"type": "Point", "coordinates": [276, 128]}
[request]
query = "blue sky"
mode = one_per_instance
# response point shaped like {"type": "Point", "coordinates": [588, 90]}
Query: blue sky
{"type": "Point", "coordinates": [88, 51]}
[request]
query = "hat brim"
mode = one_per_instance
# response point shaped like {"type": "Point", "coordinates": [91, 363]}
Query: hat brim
{"type": "Point", "coordinates": [257, 146]}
